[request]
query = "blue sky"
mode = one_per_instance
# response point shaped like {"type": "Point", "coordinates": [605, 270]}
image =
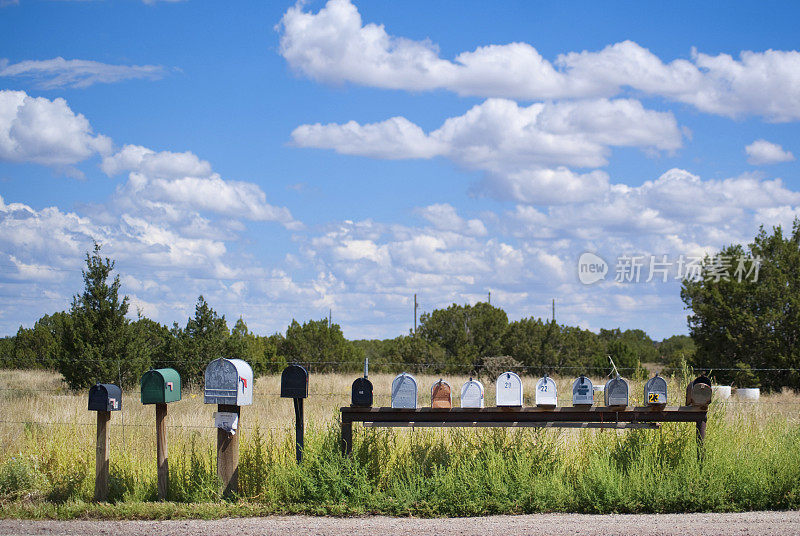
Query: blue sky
{"type": "Point", "coordinates": [284, 160]}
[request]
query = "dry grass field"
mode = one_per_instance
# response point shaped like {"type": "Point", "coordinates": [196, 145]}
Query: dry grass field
{"type": "Point", "coordinates": [47, 437]}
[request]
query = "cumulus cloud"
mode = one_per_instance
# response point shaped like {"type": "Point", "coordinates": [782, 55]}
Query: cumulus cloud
{"type": "Point", "coordinates": [163, 164]}
{"type": "Point", "coordinates": [444, 217]}
{"type": "Point", "coordinates": [762, 152]}
{"type": "Point", "coordinates": [44, 131]}
{"type": "Point", "coordinates": [59, 73]}
{"type": "Point", "coordinates": [335, 46]}
{"type": "Point", "coordinates": [524, 149]}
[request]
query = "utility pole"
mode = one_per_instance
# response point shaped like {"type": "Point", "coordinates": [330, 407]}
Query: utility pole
{"type": "Point", "coordinates": [554, 310]}
{"type": "Point", "coordinates": [415, 314]}
{"type": "Point", "coordinates": [330, 318]}
{"type": "Point", "coordinates": [490, 298]}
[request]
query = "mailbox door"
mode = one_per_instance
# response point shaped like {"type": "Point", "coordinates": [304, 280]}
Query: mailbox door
{"type": "Point", "coordinates": [546, 394]}
{"type": "Point", "coordinates": [655, 391]}
{"type": "Point", "coordinates": [222, 383]}
{"type": "Point", "coordinates": [153, 386]}
{"type": "Point", "coordinates": [472, 394]}
{"type": "Point", "coordinates": [509, 390]}
{"type": "Point", "coordinates": [294, 382]}
{"type": "Point", "coordinates": [582, 392]}
{"type": "Point", "coordinates": [616, 392]}
{"type": "Point", "coordinates": [440, 395]}
{"type": "Point", "coordinates": [362, 393]}
{"type": "Point", "coordinates": [404, 391]}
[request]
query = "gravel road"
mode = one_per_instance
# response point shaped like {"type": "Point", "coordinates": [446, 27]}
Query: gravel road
{"type": "Point", "coordinates": [751, 523]}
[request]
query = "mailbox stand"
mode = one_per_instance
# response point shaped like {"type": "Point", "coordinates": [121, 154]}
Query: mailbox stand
{"type": "Point", "coordinates": [102, 462]}
{"type": "Point", "coordinates": [103, 398]}
{"type": "Point", "coordinates": [162, 465]}
{"type": "Point", "coordinates": [294, 385]}
{"type": "Point", "coordinates": [228, 455]}
{"type": "Point", "coordinates": [571, 417]}
{"type": "Point", "coordinates": [229, 385]}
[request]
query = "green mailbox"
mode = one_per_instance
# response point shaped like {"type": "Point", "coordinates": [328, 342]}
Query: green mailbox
{"type": "Point", "coordinates": [160, 386]}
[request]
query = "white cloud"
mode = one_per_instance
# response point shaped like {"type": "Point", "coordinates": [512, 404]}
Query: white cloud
{"type": "Point", "coordinates": [762, 152]}
{"type": "Point", "coordinates": [445, 218]}
{"type": "Point", "coordinates": [59, 73]}
{"type": "Point", "coordinates": [163, 164]}
{"type": "Point", "coordinates": [523, 149]}
{"type": "Point", "coordinates": [35, 129]}
{"type": "Point", "coordinates": [335, 46]}
{"type": "Point", "coordinates": [394, 138]}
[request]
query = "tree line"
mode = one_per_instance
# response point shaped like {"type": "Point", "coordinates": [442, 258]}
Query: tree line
{"type": "Point", "coordinates": [746, 332]}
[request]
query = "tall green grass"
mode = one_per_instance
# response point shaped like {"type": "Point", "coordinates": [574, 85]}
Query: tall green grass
{"type": "Point", "coordinates": [748, 463]}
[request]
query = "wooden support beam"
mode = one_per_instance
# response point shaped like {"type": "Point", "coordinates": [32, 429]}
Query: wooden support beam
{"type": "Point", "coordinates": [162, 462]}
{"type": "Point", "coordinates": [102, 462]}
{"type": "Point", "coordinates": [228, 456]}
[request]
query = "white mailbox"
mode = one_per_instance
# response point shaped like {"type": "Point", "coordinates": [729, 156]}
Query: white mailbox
{"type": "Point", "coordinates": [509, 390]}
{"type": "Point", "coordinates": [229, 381]}
{"type": "Point", "coordinates": [616, 392]}
{"type": "Point", "coordinates": [655, 391]}
{"type": "Point", "coordinates": [546, 392]}
{"type": "Point", "coordinates": [582, 392]}
{"type": "Point", "coordinates": [472, 394]}
{"type": "Point", "coordinates": [404, 391]}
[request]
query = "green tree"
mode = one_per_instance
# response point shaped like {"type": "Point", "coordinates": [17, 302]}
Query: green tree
{"type": "Point", "coordinates": [38, 346]}
{"type": "Point", "coordinates": [745, 314]}
{"type": "Point", "coordinates": [97, 345]}
{"type": "Point", "coordinates": [321, 344]}
{"type": "Point", "coordinates": [467, 333]}
{"type": "Point", "coordinates": [411, 350]}
{"type": "Point", "coordinates": [203, 340]}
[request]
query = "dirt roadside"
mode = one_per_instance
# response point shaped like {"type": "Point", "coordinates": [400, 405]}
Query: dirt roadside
{"type": "Point", "coordinates": [750, 523]}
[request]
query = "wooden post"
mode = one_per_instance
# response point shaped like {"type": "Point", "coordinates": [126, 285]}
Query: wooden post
{"type": "Point", "coordinates": [162, 463]}
{"type": "Point", "coordinates": [228, 455]}
{"type": "Point", "coordinates": [299, 426]}
{"type": "Point", "coordinates": [347, 437]}
{"type": "Point", "coordinates": [701, 436]}
{"type": "Point", "coordinates": [101, 464]}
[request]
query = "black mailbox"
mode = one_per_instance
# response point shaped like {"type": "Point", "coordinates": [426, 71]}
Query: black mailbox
{"type": "Point", "coordinates": [294, 382]}
{"type": "Point", "coordinates": [362, 393]}
{"type": "Point", "coordinates": [105, 397]}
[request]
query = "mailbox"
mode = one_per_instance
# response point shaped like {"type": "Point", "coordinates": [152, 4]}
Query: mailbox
{"type": "Point", "coordinates": [472, 394]}
{"type": "Point", "coordinates": [294, 382]}
{"type": "Point", "coordinates": [582, 392]}
{"type": "Point", "coordinates": [509, 390]}
{"type": "Point", "coordinates": [440, 395]}
{"type": "Point", "coordinates": [404, 391]}
{"type": "Point", "coordinates": [655, 391]}
{"type": "Point", "coordinates": [616, 392]}
{"type": "Point", "coordinates": [105, 397]}
{"type": "Point", "coordinates": [698, 392]}
{"type": "Point", "coordinates": [546, 392]}
{"type": "Point", "coordinates": [160, 386]}
{"type": "Point", "coordinates": [230, 382]}
{"type": "Point", "coordinates": [361, 393]}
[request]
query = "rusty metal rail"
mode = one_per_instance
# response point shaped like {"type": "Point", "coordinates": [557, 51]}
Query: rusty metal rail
{"type": "Point", "coordinates": [571, 417]}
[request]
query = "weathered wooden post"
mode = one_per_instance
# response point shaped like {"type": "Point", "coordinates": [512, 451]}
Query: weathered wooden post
{"type": "Point", "coordinates": [160, 387]}
{"type": "Point", "coordinates": [103, 398]}
{"type": "Point", "coordinates": [229, 384]}
{"type": "Point", "coordinates": [294, 385]}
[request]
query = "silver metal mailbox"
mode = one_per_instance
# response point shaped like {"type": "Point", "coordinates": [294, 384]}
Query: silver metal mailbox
{"type": "Point", "coordinates": [229, 381]}
{"type": "Point", "coordinates": [582, 392]}
{"type": "Point", "coordinates": [616, 392]}
{"type": "Point", "coordinates": [655, 391]}
{"type": "Point", "coordinates": [546, 392]}
{"type": "Point", "coordinates": [404, 391]}
{"type": "Point", "coordinates": [509, 390]}
{"type": "Point", "coordinates": [472, 394]}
